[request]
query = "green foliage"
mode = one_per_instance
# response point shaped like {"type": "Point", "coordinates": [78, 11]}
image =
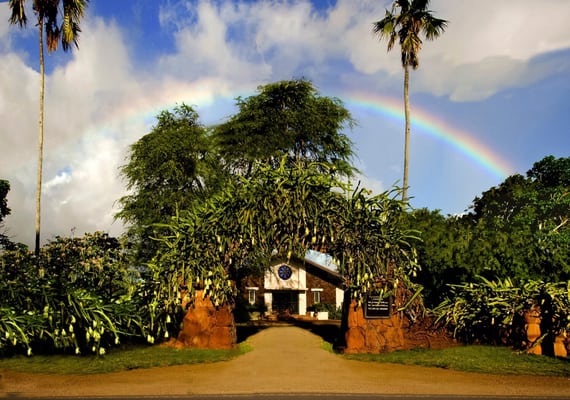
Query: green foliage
{"type": "Point", "coordinates": [404, 24]}
{"type": "Point", "coordinates": [189, 258]}
{"type": "Point", "coordinates": [373, 251]}
{"type": "Point", "coordinates": [60, 19]}
{"type": "Point", "coordinates": [519, 231]}
{"type": "Point", "coordinates": [280, 213]}
{"type": "Point", "coordinates": [4, 212]}
{"type": "Point", "coordinates": [124, 358]}
{"type": "Point", "coordinates": [170, 168]}
{"type": "Point", "coordinates": [491, 312]}
{"type": "Point", "coordinates": [286, 118]}
{"type": "Point", "coordinates": [180, 164]}
{"type": "Point", "coordinates": [4, 189]}
{"type": "Point", "coordinates": [442, 252]}
{"type": "Point", "coordinates": [76, 297]}
{"type": "Point", "coordinates": [474, 358]}
{"type": "Point", "coordinates": [521, 228]}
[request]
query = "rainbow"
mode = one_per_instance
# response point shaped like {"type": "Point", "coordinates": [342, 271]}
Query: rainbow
{"type": "Point", "coordinates": [207, 92]}
{"type": "Point", "coordinates": [433, 126]}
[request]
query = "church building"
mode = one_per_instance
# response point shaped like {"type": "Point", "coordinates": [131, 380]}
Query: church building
{"type": "Point", "coordinates": [294, 286]}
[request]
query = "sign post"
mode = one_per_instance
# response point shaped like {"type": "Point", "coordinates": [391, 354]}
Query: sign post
{"type": "Point", "coordinates": [375, 307]}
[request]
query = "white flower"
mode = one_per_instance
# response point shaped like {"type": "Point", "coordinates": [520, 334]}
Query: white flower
{"type": "Point", "coordinates": [102, 351]}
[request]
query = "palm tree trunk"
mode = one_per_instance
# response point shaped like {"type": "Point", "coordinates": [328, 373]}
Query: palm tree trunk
{"type": "Point", "coordinates": [40, 140]}
{"type": "Point", "coordinates": [407, 134]}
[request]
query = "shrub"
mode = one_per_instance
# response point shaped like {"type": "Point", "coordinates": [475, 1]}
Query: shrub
{"type": "Point", "coordinates": [491, 312]}
{"type": "Point", "coordinates": [75, 297]}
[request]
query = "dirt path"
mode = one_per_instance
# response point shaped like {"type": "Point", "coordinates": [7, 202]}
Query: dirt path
{"type": "Point", "coordinates": [284, 360]}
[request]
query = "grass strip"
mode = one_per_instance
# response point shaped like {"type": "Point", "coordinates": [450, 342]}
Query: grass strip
{"type": "Point", "coordinates": [128, 358]}
{"type": "Point", "coordinates": [475, 358]}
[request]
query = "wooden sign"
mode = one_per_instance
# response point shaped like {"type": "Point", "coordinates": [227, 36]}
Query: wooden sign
{"type": "Point", "coordinates": [376, 307]}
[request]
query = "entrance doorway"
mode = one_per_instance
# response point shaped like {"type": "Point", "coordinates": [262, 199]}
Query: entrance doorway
{"type": "Point", "coordinates": [285, 300]}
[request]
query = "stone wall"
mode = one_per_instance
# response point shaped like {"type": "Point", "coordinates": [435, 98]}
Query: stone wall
{"type": "Point", "coordinates": [372, 335]}
{"type": "Point", "coordinates": [207, 327]}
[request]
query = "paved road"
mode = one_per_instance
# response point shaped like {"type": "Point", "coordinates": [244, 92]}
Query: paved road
{"type": "Point", "coordinates": [289, 362]}
{"type": "Point", "coordinates": [313, 396]}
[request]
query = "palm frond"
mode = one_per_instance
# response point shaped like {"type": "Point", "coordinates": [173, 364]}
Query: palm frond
{"type": "Point", "coordinates": [18, 13]}
{"type": "Point", "coordinates": [407, 20]}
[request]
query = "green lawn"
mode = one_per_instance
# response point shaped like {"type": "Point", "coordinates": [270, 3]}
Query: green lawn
{"type": "Point", "coordinates": [483, 359]}
{"type": "Point", "coordinates": [118, 359]}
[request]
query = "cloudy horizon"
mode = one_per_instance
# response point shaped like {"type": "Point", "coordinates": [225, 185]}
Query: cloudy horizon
{"type": "Point", "coordinates": [497, 79]}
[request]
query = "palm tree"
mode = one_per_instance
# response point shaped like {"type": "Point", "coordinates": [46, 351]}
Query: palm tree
{"type": "Point", "coordinates": [65, 29]}
{"type": "Point", "coordinates": [405, 22]}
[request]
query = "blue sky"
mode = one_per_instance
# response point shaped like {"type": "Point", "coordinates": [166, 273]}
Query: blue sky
{"type": "Point", "coordinates": [498, 76]}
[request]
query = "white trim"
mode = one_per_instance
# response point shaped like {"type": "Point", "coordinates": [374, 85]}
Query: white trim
{"type": "Point", "coordinates": [316, 290]}
{"type": "Point", "coordinates": [252, 288]}
{"type": "Point", "coordinates": [316, 296]}
{"type": "Point", "coordinates": [252, 294]}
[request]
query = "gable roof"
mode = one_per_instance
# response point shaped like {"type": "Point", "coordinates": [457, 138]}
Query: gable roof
{"type": "Point", "coordinates": [314, 268]}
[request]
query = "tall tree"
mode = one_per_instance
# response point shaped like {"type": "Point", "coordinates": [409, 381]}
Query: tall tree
{"type": "Point", "coordinates": [4, 189]}
{"type": "Point", "coordinates": [169, 168]}
{"type": "Point", "coordinates": [405, 22]}
{"type": "Point", "coordinates": [60, 20]}
{"type": "Point", "coordinates": [4, 210]}
{"type": "Point", "coordinates": [286, 118]}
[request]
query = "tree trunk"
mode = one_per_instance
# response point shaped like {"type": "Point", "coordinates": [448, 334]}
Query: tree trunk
{"type": "Point", "coordinates": [40, 139]}
{"type": "Point", "coordinates": [407, 133]}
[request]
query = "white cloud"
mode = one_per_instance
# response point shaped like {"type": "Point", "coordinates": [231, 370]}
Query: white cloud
{"type": "Point", "coordinates": [99, 100]}
{"type": "Point", "coordinates": [204, 51]}
{"type": "Point", "coordinates": [88, 89]}
{"type": "Point", "coordinates": [517, 29]}
{"type": "Point", "coordinates": [489, 45]}
{"type": "Point", "coordinates": [485, 48]}
{"type": "Point", "coordinates": [4, 15]}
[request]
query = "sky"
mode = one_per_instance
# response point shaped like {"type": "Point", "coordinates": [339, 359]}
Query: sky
{"type": "Point", "coordinates": [489, 99]}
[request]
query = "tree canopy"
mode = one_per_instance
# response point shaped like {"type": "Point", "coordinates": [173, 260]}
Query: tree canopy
{"type": "Point", "coordinates": [4, 189]}
{"type": "Point", "coordinates": [280, 213]}
{"type": "Point", "coordinates": [524, 222]}
{"type": "Point", "coordinates": [517, 230]}
{"type": "Point", "coordinates": [180, 163]}
{"type": "Point", "coordinates": [4, 210]}
{"type": "Point", "coordinates": [168, 169]}
{"type": "Point", "coordinates": [286, 118]}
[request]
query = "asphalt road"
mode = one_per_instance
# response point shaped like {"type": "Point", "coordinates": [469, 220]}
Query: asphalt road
{"type": "Point", "coordinates": [301, 396]}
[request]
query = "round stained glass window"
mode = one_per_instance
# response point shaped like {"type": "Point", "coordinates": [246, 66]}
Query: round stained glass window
{"type": "Point", "coordinates": [284, 272]}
